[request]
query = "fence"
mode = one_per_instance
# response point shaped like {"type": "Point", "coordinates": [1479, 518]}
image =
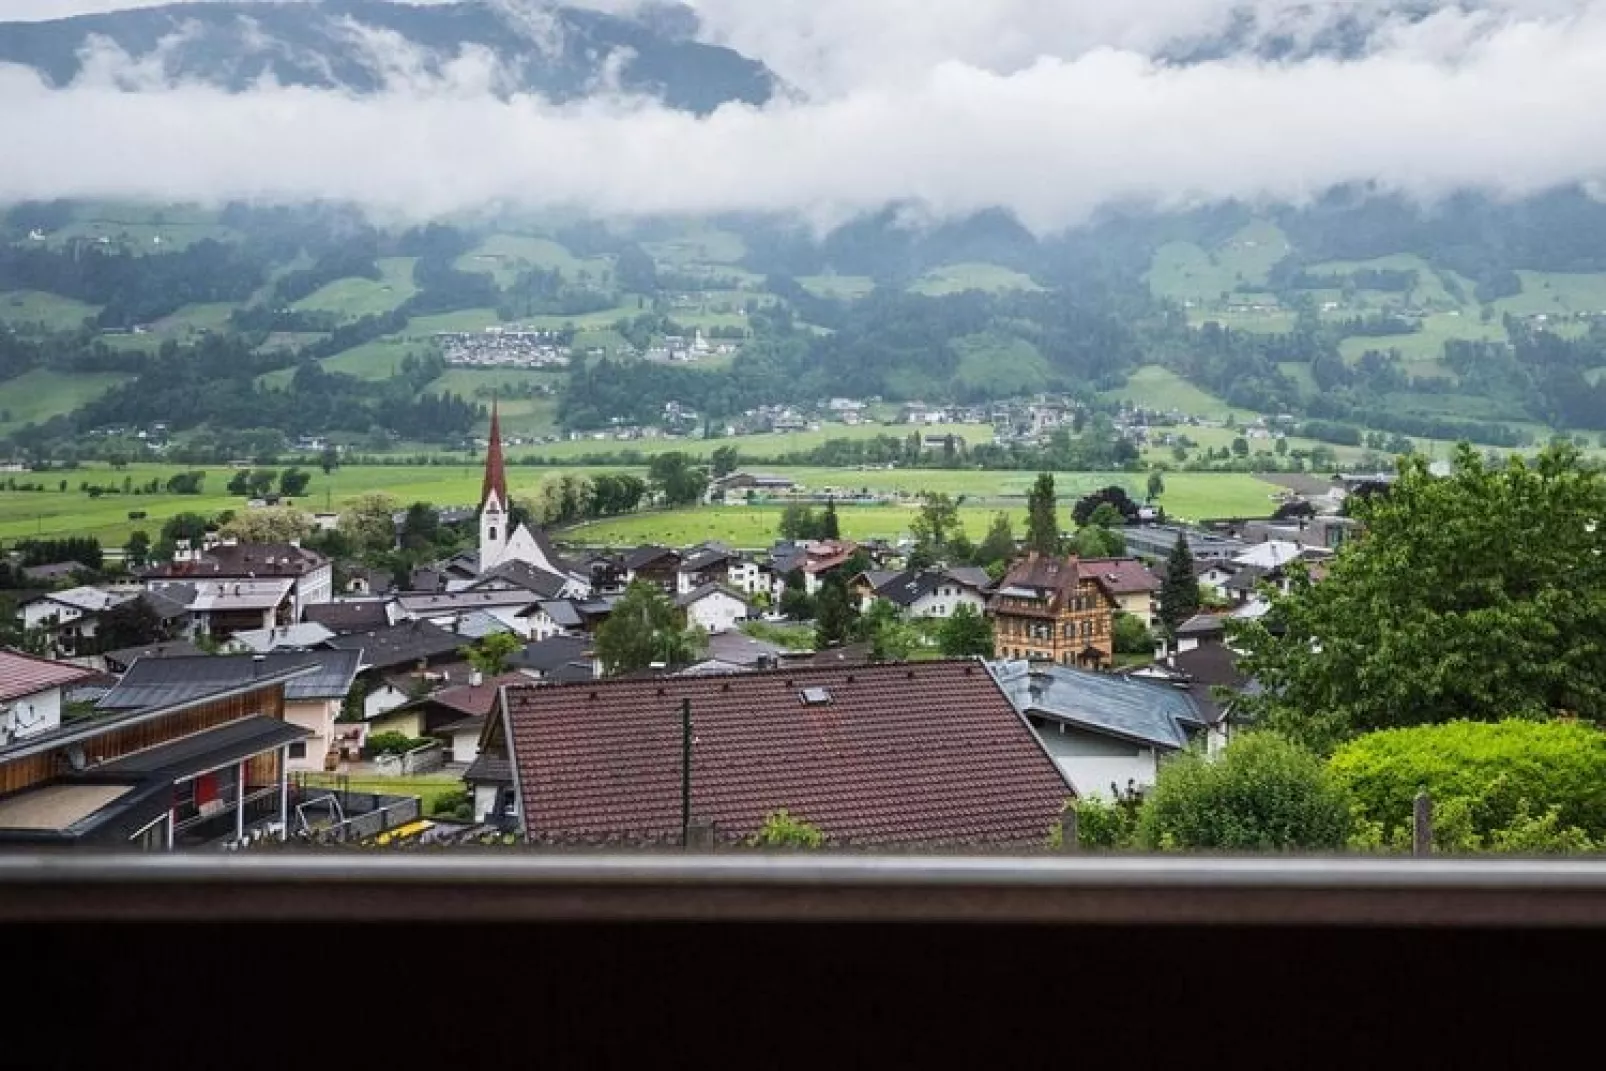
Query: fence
{"type": "Point", "coordinates": [421, 759]}
{"type": "Point", "coordinates": [353, 815]}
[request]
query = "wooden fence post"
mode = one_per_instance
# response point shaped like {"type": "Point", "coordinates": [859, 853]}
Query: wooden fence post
{"type": "Point", "coordinates": [1070, 829]}
{"type": "Point", "coordinates": [1422, 824]}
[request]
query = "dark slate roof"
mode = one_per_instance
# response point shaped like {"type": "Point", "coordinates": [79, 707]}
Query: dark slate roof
{"type": "Point", "coordinates": [347, 616]}
{"type": "Point", "coordinates": [54, 570]}
{"type": "Point", "coordinates": [1201, 625]}
{"type": "Point", "coordinates": [563, 613]}
{"type": "Point", "coordinates": [401, 644]}
{"type": "Point", "coordinates": [488, 770]}
{"type": "Point", "coordinates": [1247, 578]}
{"type": "Point", "coordinates": [925, 754]}
{"type": "Point", "coordinates": [705, 558]}
{"type": "Point", "coordinates": [737, 648]}
{"type": "Point", "coordinates": [644, 556]}
{"type": "Point", "coordinates": [1109, 704]}
{"type": "Point", "coordinates": [699, 593]}
{"type": "Point", "coordinates": [157, 682]}
{"type": "Point", "coordinates": [970, 575]}
{"type": "Point", "coordinates": [582, 669]}
{"type": "Point", "coordinates": [548, 654]}
{"type": "Point", "coordinates": [522, 575]}
{"type": "Point", "coordinates": [125, 656]}
{"type": "Point", "coordinates": [207, 750]}
{"type": "Point", "coordinates": [170, 601]}
{"type": "Point", "coordinates": [908, 588]}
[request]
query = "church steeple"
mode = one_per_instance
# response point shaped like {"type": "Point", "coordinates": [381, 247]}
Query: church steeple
{"type": "Point", "coordinates": [495, 472]}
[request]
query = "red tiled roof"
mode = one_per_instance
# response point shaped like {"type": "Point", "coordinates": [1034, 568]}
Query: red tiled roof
{"type": "Point", "coordinates": [22, 674]}
{"type": "Point", "coordinates": [476, 700]}
{"type": "Point", "coordinates": [926, 754]}
{"type": "Point", "coordinates": [1120, 576]}
{"type": "Point", "coordinates": [495, 471]}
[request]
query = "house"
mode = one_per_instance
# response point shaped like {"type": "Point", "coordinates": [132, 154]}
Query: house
{"type": "Point", "coordinates": [511, 576]}
{"type": "Point", "coordinates": [708, 564]}
{"type": "Point", "coordinates": [284, 638]}
{"type": "Point", "coordinates": [737, 652]}
{"type": "Point", "coordinates": [1273, 554]}
{"type": "Point", "coordinates": [1209, 673]}
{"type": "Point", "coordinates": [71, 618]}
{"type": "Point", "coordinates": [221, 608]}
{"type": "Point", "coordinates": [456, 715]}
{"type": "Point", "coordinates": [1130, 582]}
{"type": "Point", "coordinates": [714, 608]}
{"type": "Point", "coordinates": [559, 658]}
{"type": "Point", "coordinates": [345, 616]}
{"type": "Point", "coordinates": [931, 592]}
{"type": "Point", "coordinates": [924, 755]}
{"type": "Point", "coordinates": [315, 689]}
{"type": "Point", "coordinates": [388, 652]}
{"type": "Point", "coordinates": [1154, 542]}
{"type": "Point", "coordinates": [1200, 629]}
{"type": "Point", "coordinates": [227, 562]}
{"type": "Point", "coordinates": [737, 487]}
{"type": "Point", "coordinates": [508, 605]}
{"type": "Point", "coordinates": [205, 771]}
{"type": "Point", "coordinates": [1051, 609]}
{"type": "Point", "coordinates": [31, 693]}
{"type": "Point", "coordinates": [864, 587]}
{"type": "Point", "coordinates": [547, 619]}
{"type": "Point", "coordinates": [1107, 732]}
{"type": "Point", "coordinates": [655, 565]}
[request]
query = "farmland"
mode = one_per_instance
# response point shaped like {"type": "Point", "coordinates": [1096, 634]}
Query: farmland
{"type": "Point", "coordinates": [29, 513]}
{"type": "Point", "coordinates": [21, 309]}
{"type": "Point", "coordinates": [956, 278]}
{"type": "Point", "coordinates": [41, 393]}
{"type": "Point", "coordinates": [1160, 388]}
{"type": "Point", "coordinates": [353, 298]}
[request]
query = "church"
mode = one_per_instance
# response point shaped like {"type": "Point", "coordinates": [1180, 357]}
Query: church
{"type": "Point", "coordinates": [505, 546]}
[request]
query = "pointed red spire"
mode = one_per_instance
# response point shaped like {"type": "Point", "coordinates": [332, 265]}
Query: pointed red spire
{"type": "Point", "coordinates": [495, 473]}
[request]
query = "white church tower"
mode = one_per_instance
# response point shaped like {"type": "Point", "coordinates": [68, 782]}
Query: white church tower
{"type": "Point", "coordinates": [494, 504]}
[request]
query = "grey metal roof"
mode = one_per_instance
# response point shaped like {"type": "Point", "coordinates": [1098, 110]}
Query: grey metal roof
{"type": "Point", "coordinates": [400, 644]}
{"type": "Point", "coordinates": [124, 656]}
{"type": "Point", "coordinates": [1104, 703]}
{"type": "Point", "coordinates": [157, 682]}
{"type": "Point", "coordinates": [283, 637]}
{"type": "Point", "coordinates": [350, 615]}
{"type": "Point", "coordinates": [490, 771]}
{"type": "Point", "coordinates": [563, 613]}
{"type": "Point", "coordinates": [1200, 624]}
{"type": "Point", "coordinates": [206, 750]}
{"type": "Point", "coordinates": [477, 624]}
{"type": "Point", "coordinates": [740, 649]}
{"type": "Point", "coordinates": [548, 654]}
{"type": "Point", "coordinates": [700, 593]}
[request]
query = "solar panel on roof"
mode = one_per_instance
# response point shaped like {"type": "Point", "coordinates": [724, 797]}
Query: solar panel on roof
{"type": "Point", "coordinates": [816, 696]}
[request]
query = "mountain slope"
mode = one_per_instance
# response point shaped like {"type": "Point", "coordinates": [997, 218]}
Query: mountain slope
{"type": "Point", "coordinates": [359, 45]}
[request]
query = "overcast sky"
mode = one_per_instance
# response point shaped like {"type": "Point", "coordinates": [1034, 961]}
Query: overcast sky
{"type": "Point", "coordinates": [1050, 109]}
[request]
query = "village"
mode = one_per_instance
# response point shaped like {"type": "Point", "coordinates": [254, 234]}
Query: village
{"type": "Point", "coordinates": [485, 701]}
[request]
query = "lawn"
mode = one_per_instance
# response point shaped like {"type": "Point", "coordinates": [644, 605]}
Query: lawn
{"type": "Point", "coordinates": [42, 393]}
{"type": "Point", "coordinates": [463, 321]}
{"type": "Point", "coordinates": [851, 287]}
{"type": "Point", "coordinates": [1182, 271]}
{"type": "Point", "coordinates": [504, 256]}
{"type": "Point", "coordinates": [21, 309]}
{"type": "Point", "coordinates": [971, 275]}
{"type": "Point", "coordinates": [355, 297]}
{"type": "Point", "coordinates": [428, 787]}
{"type": "Point", "coordinates": [698, 244]}
{"type": "Point", "coordinates": [1427, 345]}
{"type": "Point", "coordinates": [1556, 293]}
{"type": "Point", "coordinates": [1156, 387]}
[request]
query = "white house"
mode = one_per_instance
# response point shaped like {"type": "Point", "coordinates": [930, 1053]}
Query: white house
{"type": "Point", "coordinates": [713, 608]}
{"type": "Point", "coordinates": [72, 617]}
{"type": "Point", "coordinates": [933, 593]}
{"type": "Point", "coordinates": [30, 693]}
{"type": "Point", "coordinates": [1107, 733]}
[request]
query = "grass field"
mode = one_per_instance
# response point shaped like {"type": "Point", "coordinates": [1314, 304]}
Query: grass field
{"type": "Point", "coordinates": [1556, 293]}
{"type": "Point", "coordinates": [842, 286]}
{"type": "Point", "coordinates": [41, 393]}
{"type": "Point", "coordinates": [1426, 347]}
{"type": "Point", "coordinates": [1157, 387]}
{"type": "Point", "coordinates": [957, 278]}
{"type": "Point", "coordinates": [698, 245]}
{"type": "Point", "coordinates": [355, 297]}
{"type": "Point", "coordinates": [428, 787]}
{"type": "Point", "coordinates": [21, 309]}
{"type": "Point", "coordinates": [504, 256]}
{"type": "Point", "coordinates": [753, 445]}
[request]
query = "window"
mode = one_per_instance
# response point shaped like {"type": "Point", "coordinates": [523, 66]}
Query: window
{"type": "Point", "coordinates": [298, 750]}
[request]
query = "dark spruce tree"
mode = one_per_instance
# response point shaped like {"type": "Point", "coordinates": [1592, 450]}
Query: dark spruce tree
{"type": "Point", "coordinates": [830, 527]}
{"type": "Point", "coordinates": [1179, 591]}
{"type": "Point", "coordinates": [1042, 524]}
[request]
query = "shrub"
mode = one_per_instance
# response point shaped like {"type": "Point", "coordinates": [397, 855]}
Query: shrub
{"type": "Point", "coordinates": [393, 743]}
{"type": "Point", "coordinates": [1264, 793]}
{"type": "Point", "coordinates": [456, 804]}
{"type": "Point", "coordinates": [781, 830]}
{"type": "Point", "coordinates": [1131, 635]}
{"type": "Point", "coordinates": [1484, 774]}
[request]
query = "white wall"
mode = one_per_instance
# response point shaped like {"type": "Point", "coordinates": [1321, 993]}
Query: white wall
{"type": "Point", "coordinates": [1090, 761]}
{"type": "Point", "coordinates": [484, 800]}
{"type": "Point", "coordinates": [31, 714]}
{"type": "Point", "coordinates": [319, 716]}
{"type": "Point", "coordinates": [465, 745]}
{"type": "Point", "coordinates": [39, 613]}
{"type": "Point", "coordinates": [716, 612]}
{"type": "Point", "coordinates": [945, 600]}
{"type": "Point", "coordinates": [382, 699]}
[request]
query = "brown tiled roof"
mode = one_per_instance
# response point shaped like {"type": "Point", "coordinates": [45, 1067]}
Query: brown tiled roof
{"type": "Point", "coordinates": [495, 471]}
{"type": "Point", "coordinates": [924, 754]}
{"type": "Point", "coordinates": [1057, 578]}
{"type": "Point", "coordinates": [23, 674]}
{"type": "Point", "coordinates": [1120, 576]}
{"type": "Point", "coordinates": [476, 700]}
{"type": "Point", "coordinates": [239, 560]}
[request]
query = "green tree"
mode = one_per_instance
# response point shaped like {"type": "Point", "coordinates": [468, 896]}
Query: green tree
{"type": "Point", "coordinates": [369, 521]}
{"type": "Point", "coordinates": [678, 478]}
{"type": "Point", "coordinates": [1156, 485]}
{"type": "Point", "coordinates": [293, 481]}
{"type": "Point", "coordinates": [834, 612]}
{"type": "Point", "coordinates": [1480, 595]}
{"type": "Point", "coordinates": [128, 624]}
{"type": "Point", "coordinates": [1495, 770]}
{"type": "Point", "coordinates": [998, 545]}
{"type": "Point", "coordinates": [1264, 793]}
{"type": "Point", "coordinates": [891, 639]}
{"type": "Point", "coordinates": [1042, 517]}
{"type": "Point", "coordinates": [271, 524]}
{"type": "Point", "coordinates": [645, 627]}
{"type": "Point", "coordinates": [187, 527]}
{"type": "Point", "coordinates": [1179, 589]}
{"type": "Point", "coordinates": [1096, 542]}
{"type": "Point", "coordinates": [492, 654]}
{"type": "Point", "coordinates": [1240, 447]}
{"type": "Point", "coordinates": [137, 551]}
{"type": "Point", "coordinates": [830, 527]}
{"type": "Point", "coordinates": [936, 523]}
{"type": "Point", "coordinates": [1131, 635]}
{"type": "Point", "coordinates": [420, 525]}
{"type": "Point", "coordinates": [1281, 447]}
{"type": "Point", "coordinates": [724, 460]}
{"type": "Point", "coordinates": [781, 830]}
{"type": "Point", "coordinates": [965, 633]}
{"type": "Point", "coordinates": [329, 458]}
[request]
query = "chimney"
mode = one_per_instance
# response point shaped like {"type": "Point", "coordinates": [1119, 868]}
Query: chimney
{"type": "Point", "coordinates": [475, 678]}
{"type": "Point", "coordinates": [258, 663]}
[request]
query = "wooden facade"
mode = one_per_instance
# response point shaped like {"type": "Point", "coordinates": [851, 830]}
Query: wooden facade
{"type": "Point", "coordinates": [1050, 611]}
{"type": "Point", "coordinates": [120, 741]}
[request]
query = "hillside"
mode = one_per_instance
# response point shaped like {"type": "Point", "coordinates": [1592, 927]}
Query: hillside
{"type": "Point", "coordinates": [358, 45]}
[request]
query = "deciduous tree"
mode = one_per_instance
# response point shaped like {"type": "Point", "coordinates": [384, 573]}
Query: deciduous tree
{"type": "Point", "coordinates": [966, 633]}
{"type": "Point", "coordinates": [645, 627]}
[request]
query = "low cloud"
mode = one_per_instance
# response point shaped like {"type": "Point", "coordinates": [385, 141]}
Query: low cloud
{"type": "Point", "coordinates": [1502, 99]}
